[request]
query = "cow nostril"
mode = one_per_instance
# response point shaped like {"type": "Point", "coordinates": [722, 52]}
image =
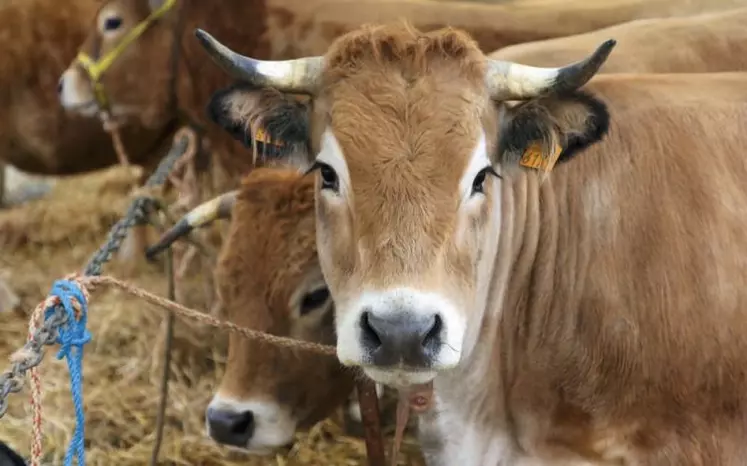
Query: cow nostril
{"type": "Point", "coordinates": [370, 336]}
{"type": "Point", "coordinates": [59, 86]}
{"type": "Point", "coordinates": [231, 427]}
{"type": "Point", "coordinates": [431, 336]}
{"type": "Point", "coordinates": [243, 422]}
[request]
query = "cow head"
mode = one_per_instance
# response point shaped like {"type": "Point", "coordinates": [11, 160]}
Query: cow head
{"type": "Point", "coordinates": [125, 63]}
{"type": "Point", "coordinates": [417, 136]}
{"type": "Point", "coordinates": [269, 280]}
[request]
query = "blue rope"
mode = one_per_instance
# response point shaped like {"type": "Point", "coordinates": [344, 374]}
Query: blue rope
{"type": "Point", "coordinates": [72, 336]}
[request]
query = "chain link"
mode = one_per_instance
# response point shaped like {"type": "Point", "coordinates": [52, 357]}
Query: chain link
{"type": "Point", "coordinates": [32, 353]}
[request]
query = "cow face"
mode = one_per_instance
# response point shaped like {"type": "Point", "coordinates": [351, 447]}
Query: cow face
{"type": "Point", "coordinates": [269, 280]}
{"type": "Point", "coordinates": [135, 65]}
{"type": "Point", "coordinates": [415, 147]}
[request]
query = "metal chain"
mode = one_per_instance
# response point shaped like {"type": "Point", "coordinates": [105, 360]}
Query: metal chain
{"type": "Point", "coordinates": [32, 353]}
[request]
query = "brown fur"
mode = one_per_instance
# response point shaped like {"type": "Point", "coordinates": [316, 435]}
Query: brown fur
{"type": "Point", "coordinates": [614, 329]}
{"type": "Point", "coordinates": [39, 38]}
{"type": "Point", "coordinates": [292, 28]}
{"type": "Point", "coordinates": [709, 42]}
{"type": "Point", "coordinates": [268, 255]}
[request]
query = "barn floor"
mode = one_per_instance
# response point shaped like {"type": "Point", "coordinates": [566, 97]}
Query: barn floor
{"type": "Point", "coordinates": [49, 238]}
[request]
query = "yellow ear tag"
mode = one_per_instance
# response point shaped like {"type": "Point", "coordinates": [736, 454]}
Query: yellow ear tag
{"type": "Point", "coordinates": [534, 158]}
{"type": "Point", "coordinates": [262, 136]}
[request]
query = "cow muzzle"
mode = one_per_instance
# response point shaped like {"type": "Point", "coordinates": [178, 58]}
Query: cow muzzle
{"type": "Point", "coordinates": [75, 93]}
{"type": "Point", "coordinates": [401, 337]}
{"type": "Point", "coordinates": [254, 426]}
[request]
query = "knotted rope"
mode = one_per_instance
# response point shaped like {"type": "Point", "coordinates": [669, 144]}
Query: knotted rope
{"type": "Point", "coordinates": [71, 335]}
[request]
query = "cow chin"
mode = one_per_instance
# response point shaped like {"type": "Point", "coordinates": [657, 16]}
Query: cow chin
{"type": "Point", "coordinates": [399, 378]}
{"type": "Point", "coordinates": [250, 426]}
{"type": "Point", "coordinates": [400, 336]}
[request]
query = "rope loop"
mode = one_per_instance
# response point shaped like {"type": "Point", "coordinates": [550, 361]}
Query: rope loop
{"type": "Point", "coordinates": [72, 297]}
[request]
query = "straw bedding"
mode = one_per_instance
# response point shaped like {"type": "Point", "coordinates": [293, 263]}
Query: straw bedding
{"type": "Point", "coordinates": [49, 238]}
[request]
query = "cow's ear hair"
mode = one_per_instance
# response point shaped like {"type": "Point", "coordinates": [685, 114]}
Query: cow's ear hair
{"type": "Point", "coordinates": [265, 120]}
{"type": "Point", "coordinates": [543, 132]}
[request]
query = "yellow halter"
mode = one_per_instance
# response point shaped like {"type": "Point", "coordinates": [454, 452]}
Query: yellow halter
{"type": "Point", "coordinates": [95, 69]}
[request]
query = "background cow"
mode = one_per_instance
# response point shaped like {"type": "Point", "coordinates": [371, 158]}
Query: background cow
{"type": "Point", "coordinates": [708, 42]}
{"type": "Point", "coordinates": [38, 39]}
{"type": "Point", "coordinates": [562, 315]}
{"type": "Point", "coordinates": [269, 280]}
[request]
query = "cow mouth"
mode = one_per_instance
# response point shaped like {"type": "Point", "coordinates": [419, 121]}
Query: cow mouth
{"type": "Point", "coordinates": [88, 108]}
{"type": "Point", "coordinates": [400, 378]}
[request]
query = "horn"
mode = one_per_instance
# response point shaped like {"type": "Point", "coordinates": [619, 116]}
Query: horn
{"type": "Point", "coordinates": [513, 81]}
{"type": "Point", "coordinates": [203, 214]}
{"type": "Point", "coordinates": [300, 76]}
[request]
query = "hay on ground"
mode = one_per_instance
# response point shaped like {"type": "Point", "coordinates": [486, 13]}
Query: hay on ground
{"type": "Point", "coordinates": [51, 237]}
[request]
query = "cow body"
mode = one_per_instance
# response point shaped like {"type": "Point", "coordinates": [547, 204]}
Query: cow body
{"type": "Point", "coordinates": [707, 42]}
{"type": "Point", "coordinates": [622, 339]}
{"type": "Point", "coordinates": [586, 314]}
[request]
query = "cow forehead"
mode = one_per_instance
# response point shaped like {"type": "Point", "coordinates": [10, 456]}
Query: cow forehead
{"type": "Point", "coordinates": [405, 107]}
{"type": "Point", "coordinates": [274, 236]}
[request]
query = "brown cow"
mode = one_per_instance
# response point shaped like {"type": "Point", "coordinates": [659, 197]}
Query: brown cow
{"type": "Point", "coordinates": [707, 42]}
{"type": "Point", "coordinates": [268, 278]}
{"type": "Point", "coordinates": [590, 314]}
{"type": "Point", "coordinates": [37, 40]}
{"type": "Point", "coordinates": [136, 83]}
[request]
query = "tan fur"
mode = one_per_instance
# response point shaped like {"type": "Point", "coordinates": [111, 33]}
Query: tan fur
{"type": "Point", "coordinates": [708, 42]}
{"type": "Point", "coordinates": [269, 252]}
{"type": "Point", "coordinates": [38, 39]}
{"type": "Point", "coordinates": [613, 331]}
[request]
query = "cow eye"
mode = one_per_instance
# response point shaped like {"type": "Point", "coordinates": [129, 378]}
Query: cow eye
{"type": "Point", "coordinates": [478, 184]}
{"type": "Point", "coordinates": [329, 177]}
{"type": "Point", "coordinates": [112, 24]}
{"type": "Point", "coordinates": [314, 299]}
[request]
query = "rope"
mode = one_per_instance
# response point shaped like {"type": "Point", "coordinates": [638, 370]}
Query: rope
{"type": "Point", "coordinates": [72, 336]}
{"type": "Point", "coordinates": [92, 282]}
{"type": "Point", "coordinates": [32, 353]}
{"type": "Point", "coordinates": [36, 396]}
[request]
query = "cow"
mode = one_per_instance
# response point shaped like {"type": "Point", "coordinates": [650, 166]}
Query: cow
{"type": "Point", "coordinates": [562, 263]}
{"type": "Point", "coordinates": [283, 29]}
{"type": "Point", "coordinates": [707, 42]}
{"type": "Point", "coordinates": [268, 279]}
{"type": "Point", "coordinates": [38, 39]}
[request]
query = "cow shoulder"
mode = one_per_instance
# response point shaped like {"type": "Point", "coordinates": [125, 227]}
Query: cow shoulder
{"type": "Point", "coordinates": [555, 127]}
{"type": "Point", "coordinates": [272, 123]}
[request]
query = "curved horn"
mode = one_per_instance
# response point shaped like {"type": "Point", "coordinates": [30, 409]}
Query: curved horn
{"type": "Point", "coordinates": [513, 81]}
{"type": "Point", "coordinates": [299, 76]}
{"type": "Point", "coordinates": [203, 214]}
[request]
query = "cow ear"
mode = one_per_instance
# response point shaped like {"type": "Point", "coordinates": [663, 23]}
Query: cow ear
{"type": "Point", "coordinates": [541, 133]}
{"type": "Point", "coordinates": [265, 120]}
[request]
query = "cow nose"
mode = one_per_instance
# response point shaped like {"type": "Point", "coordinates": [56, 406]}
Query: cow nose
{"type": "Point", "coordinates": [402, 337]}
{"type": "Point", "coordinates": [230, 427]}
